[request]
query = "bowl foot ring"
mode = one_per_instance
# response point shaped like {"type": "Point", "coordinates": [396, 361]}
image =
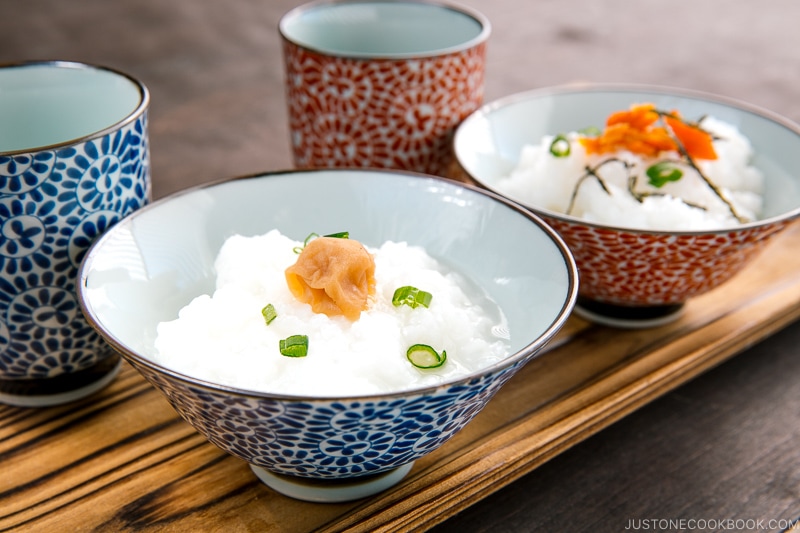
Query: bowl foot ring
{"type": "Point", "coordinates": [48, 392]}
{"type": "Point", "coordinates": [334, 490]}
{"type": "Point", "coordinates": [627, 317]}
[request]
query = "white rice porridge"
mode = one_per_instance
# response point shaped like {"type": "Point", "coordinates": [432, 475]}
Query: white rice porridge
{"type": "Point", "coordinates": [545, 181]}
{"type": "Point", "coordinates": [223, 338]}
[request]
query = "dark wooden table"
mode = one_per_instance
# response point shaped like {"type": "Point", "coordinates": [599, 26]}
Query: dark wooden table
{"type": "Point", "coordinates": [717, 454]}
{"type": "Point", "coordinates": [720, 453]}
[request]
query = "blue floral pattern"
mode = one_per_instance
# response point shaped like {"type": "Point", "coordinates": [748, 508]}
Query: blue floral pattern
{"type": "Point", "coordinates": [24, 172]}
{"type": "Point", "coordinates": [53, 204]}
{"type": "Point", "coordinates": [328, 439]}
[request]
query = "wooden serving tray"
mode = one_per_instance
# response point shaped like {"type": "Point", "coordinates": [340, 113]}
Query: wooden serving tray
{"type": "Point", "coordinates": [124, 461]}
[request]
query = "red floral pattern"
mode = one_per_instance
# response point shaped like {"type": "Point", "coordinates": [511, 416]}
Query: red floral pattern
{"type": "Point", "coordinates": [630, 268]}
{"type": "Point", "coordinates": [379, 112]}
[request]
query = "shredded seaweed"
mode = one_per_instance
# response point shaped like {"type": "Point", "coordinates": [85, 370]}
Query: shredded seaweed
{"type": "Point", "coordinates": [649, 131]}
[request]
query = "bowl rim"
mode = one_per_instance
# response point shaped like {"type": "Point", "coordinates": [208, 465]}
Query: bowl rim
{"type": "Point", "coordinates": [591, 87]}
{"type": "Point", "coordinates": [526, 353]}
{"type": "Point", "coordinates": [140, 109]}
{"type": "Point", "coordinates": [450, 5]}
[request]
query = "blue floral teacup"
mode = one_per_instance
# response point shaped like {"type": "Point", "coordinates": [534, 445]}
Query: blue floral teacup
{"type": "Point", "coordinates": [74, 160]}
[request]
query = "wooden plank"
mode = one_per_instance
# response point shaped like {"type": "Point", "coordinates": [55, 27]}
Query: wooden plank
{"type": "Point", "coordinates": [722, 445]}
{"type": "Point", "coordinates": [124, 461]}
{"type": "Point", "coordinates": [636, 372]}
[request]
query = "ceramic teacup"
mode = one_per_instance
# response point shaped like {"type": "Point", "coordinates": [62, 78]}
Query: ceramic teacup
{"type": "Point", "coordinates": [73, 161]}
{"type": "Point", "coordinates": [381, 84]}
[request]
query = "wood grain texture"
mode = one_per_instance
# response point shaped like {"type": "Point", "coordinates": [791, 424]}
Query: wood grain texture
{"type": "Point", "coordinates": [653, 465]}
{"type": "Point", "coordinates": [123, 461]}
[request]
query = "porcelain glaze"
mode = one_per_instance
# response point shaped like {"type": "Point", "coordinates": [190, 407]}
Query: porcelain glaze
{"type": "Point", "coordinates": [146, 268]}
{"type": "Point", "coordinates": [634, 278]}
{"type": "Point", "coordinates": [55, 200]}
{"type": "Point", "coordinates": [381, 84]}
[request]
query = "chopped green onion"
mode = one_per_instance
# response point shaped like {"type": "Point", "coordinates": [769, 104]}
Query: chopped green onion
{"type": "Point", "coordinates": [294, 346]}
{"type": "Point", "coordinates": [560, 146]}
{"type": "Point", "coordinates": [412, 297]}
{"type": "Point", "coordinates": [312, 236]}
{"type": "Point", "coordinates": [663, 172]}
{"type": "Point", "coordinates": [423, 356]}
{"type": "Point", "coordinates": [269, 314]}
{"type": "Point", "coordinates": [590, 131]}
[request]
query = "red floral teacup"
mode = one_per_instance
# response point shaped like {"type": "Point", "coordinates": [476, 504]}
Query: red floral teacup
{"type": "Point", "coordinates": [381, 84]}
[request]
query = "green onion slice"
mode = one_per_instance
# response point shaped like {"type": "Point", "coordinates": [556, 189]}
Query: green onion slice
{"type": "Point", "coordinates": [662, 173]}
{"type": "Point", "coordinates": [294, 346]}
{"type": "Point", "coordinates": [312, 236]}
{"type": "Point", "coordinates": [411, 296]}
{"type": "Point", "coordinates": [560, 146]}
{"type": "Point", "coordinates": [269, 314]}
{"type": "Point", "coordinates": [590, 131]}
{"type": "Point", "coordinates": [423, 356]}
